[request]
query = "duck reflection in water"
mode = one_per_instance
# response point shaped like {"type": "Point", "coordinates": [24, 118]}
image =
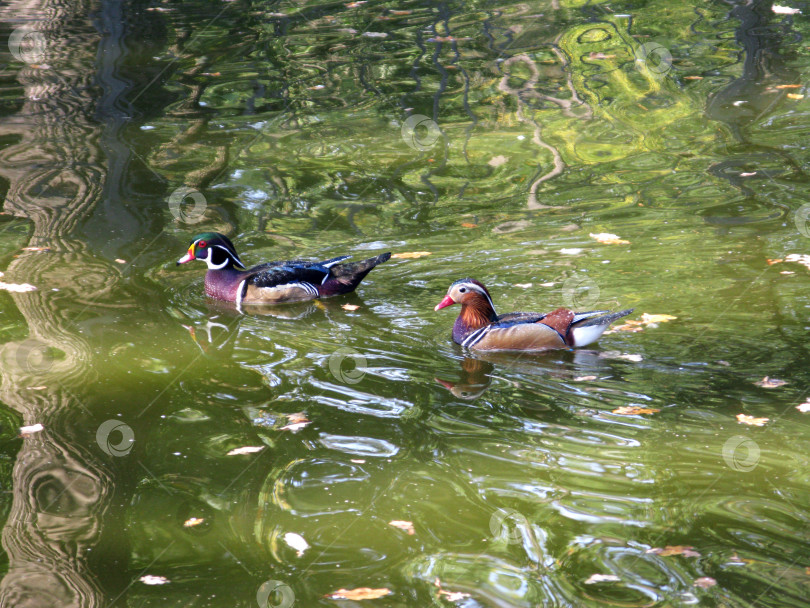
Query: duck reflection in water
{"type": "Point", "coordinates": [478, 372]}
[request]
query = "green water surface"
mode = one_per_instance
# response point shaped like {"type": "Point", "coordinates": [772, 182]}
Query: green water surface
{"type": "Point", "coordinates": [495, 138]}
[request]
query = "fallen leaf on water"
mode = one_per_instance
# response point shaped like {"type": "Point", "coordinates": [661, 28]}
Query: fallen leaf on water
{"type": "Point", "coordinates": [297, 542]}
{"type": "Point", "coordinates": [248, 449]}
{"type": "Point", "coordinates": [151, 579]}
{"type": "Point", "coordinates": [523, 285]}
{"type": "Point", "coordinates": [608, 238]}
{"type": "Point", "coordinates": [410, 255]}
{"type": "Point", "coordinates": [804, 407]}
{"type": "Point", "coordinates": [704, 582]}
{"type": "Point", "coordinates": [799, 258]}
{"type": "Point", "coordinates": [767, 382]}
{"type": "Point", "coordinates": [693, 77]}
{"type": "Point", "coordinates": [27, 431]}
{"type": "Point", "coordinates": [685, 550]}
{"type": "Point", "coordinates": [295, 422]}
{"type": "Point", "coordinates": [452, 596]}
{"type": "Point", "coordinates": [193, 521]}
{"type": "Point", "coordinates": [350, 307]}
{"type": "Point", "coordinates": [615, 354]}
{"type": "Point", "coordinates": [361, 593]}
{"type": "Point", "coordinates": [795, 96]}
{"type": "Point", "coordinates": [468, 225]}
{"type": "Point", "coordinates": [601, 578]}
{"type": "Point", "coordinates": [497, 161]}
{"type": "Point", "coordinates": [584, 378]}
{"type": "Point", "coordinates": [646, 319]}
{"type": "Point", "coordinates": [649, 319]}
{"type": "Point", "coordinates": [632, 410]}
{"type": "Point", "coordinates": [751, 420]}
{"type": "Point", "coordinates": [788, 86]}
{"type": "Point", "coordinates": [773, 261]}
{"type": "Point", "coordinates": [401, 13]}
{"type": "Point", "coordinates": [17, 287]}
{"type": "Point", "coordinates": [403, 525]}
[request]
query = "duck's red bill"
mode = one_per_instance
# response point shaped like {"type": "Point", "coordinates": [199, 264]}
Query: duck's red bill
{"type": "Point", "coordinates": [448, 301]}
{"type": "Point", "coordinates": [187, 258]}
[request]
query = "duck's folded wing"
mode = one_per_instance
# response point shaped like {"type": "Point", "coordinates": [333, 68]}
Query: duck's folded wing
{"type": "Point", "coordinates": [526, 335]}
{"type": "Point", "coordinates": [281, 273]}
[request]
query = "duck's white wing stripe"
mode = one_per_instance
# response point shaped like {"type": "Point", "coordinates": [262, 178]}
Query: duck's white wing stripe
{"type": "Point", "coordinates": [475, 337]}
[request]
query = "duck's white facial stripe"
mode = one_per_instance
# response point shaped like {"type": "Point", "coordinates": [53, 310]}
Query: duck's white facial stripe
{"type": "Point", "coordinates": [211, 265]}
{"type": "Point", "coordinates": [476, 288]}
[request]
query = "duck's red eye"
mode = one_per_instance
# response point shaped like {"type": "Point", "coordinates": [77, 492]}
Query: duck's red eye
{"type": "Point", "coordinates": [202, 244]}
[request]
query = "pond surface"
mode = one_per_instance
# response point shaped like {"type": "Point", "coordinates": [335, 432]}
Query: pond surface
{"type": "Point", "coordinates": [194, 456]}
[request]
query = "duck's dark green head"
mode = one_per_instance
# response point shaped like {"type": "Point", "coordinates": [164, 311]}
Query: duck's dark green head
{"type": "Point", "coordinates": [213, 248]}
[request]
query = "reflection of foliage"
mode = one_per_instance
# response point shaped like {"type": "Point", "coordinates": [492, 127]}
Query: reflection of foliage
{"type": "Point", "coordinates": [310, 99]}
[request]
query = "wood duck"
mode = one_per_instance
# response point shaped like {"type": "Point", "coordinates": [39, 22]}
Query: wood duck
{"type": "Point", "coordinates": [479, 327]}
{"type": "Point", "coordinates": [286, 281]}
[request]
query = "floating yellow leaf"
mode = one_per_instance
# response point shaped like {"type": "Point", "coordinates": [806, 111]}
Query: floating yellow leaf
{"type": "Point", "coordinates": [767, 382]}
{"type": "Point", "coordinates": [788, 86]}
{"type": "Point", "coordinates": [295, 422]}
{"type": "Point", "coordinates": [632, 410]}
{"type": "Point", "coordinates": [693, 77]}
{"type": "Point", "coordinates": [751, 421]}
{"type": "Point", "coordinates": [704, 582]}
{"type": "Point", "coordinates": [403, 525]}
{"type": "Point", "coordinates": [633, 325]}
{"type": "Point", "coordinates": [410, 255]}
{"type": "Point", "coordinates": [468, 225]}
{"type": "Point", "coordinates": [27, 431]}
{"type": "Point", "coordinates": [773, 261]}
{"type": "Point", "coordinates": [248, 449]}
{"type": "Point", "coordinates": [350, 307]}
{"type": "Point", "coordinates": [795, 96]}
{"type": "Point", "coordinates": [361, 593]}
{"type": "Point", "coordinates": [193, 521]}
{"type": "Point", "coordinates": [608, 238]}
{"type": "Point", "coordinates": [684, 550]}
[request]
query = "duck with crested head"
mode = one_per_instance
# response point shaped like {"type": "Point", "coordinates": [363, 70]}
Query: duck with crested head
{"type": "Point", "coordinates": [273, 282]}
{"type": "Point", "coordinates": [479, 327]}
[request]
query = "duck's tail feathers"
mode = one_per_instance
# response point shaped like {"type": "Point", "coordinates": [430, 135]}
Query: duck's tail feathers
{"type": "Point", "coordinates": [588, 330]}
{"type": "Point", "coordinates": [343, 278]}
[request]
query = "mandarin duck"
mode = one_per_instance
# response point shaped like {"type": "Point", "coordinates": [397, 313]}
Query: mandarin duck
{"type": "Point", "coordinates": [273, 282]}
{"type": "Point", "coordinates": [479, 327]}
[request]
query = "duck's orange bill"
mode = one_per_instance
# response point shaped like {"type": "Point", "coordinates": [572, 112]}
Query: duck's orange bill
{"type": "Point", "coordinates": [188, 257]}
{"type": "Point", "coordinates": [448, 301]}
